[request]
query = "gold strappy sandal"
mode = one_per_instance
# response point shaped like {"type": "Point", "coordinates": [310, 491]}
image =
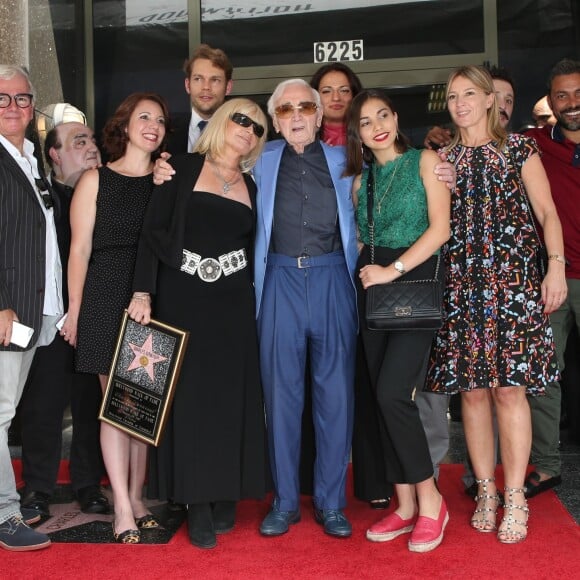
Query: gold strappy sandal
{"type": "Point", "coordinates": [486, 521]}
{"type": "Point", "coordinates": [506, 534]}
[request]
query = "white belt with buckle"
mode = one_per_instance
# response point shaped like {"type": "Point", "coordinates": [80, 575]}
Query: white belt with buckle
{"type": "Point", "coordinates": [210, 269]}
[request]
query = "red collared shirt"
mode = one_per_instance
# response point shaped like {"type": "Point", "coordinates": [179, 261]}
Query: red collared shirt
{"type": "Point", "coordinates": [561, 159]}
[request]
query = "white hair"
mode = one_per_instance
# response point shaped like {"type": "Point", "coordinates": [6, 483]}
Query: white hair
{"type": "Point", "coordinates": [283, 86]}
{"type": "Point", "coordinates": [9, 71]}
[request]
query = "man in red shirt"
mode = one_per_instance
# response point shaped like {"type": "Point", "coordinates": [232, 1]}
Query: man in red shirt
{"type": "Point", "coordinates": [560, 147]}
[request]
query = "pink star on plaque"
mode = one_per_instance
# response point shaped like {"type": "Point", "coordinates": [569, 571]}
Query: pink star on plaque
{"type": "Point", "coordinates": [145, 357]}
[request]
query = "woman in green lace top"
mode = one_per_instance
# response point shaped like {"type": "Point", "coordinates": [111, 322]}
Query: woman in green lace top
{"type": "Point", "coordinates": [411, 215]}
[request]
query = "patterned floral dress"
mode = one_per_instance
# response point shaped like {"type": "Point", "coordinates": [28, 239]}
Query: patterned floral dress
{"type": "Point", "coordinates": [495, 332]}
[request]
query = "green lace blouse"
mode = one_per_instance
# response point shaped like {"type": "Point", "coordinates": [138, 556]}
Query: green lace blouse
{"type": "Point", "coordinates": [401, 198]}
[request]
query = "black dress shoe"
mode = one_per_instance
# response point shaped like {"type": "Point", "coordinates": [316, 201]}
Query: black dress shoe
{"type": "Point", "coordinates": [92, 500]}
{"type": "Point", "coordinates": [200, 525]}
{"type": "Point", "coordinates": [37, 501]}
{"type": "Point", "coordinates": [472, 490]}
{"type": "Point", "coordinates": [380, 504]}
{"type": "Point", "coordinates": [175, 507]}
{"type": "Point", "coordinates": [224, 516]}
{"type": "Point", "coordinates": [533, 486]}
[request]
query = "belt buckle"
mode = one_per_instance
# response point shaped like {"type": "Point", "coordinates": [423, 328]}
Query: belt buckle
{"type": "Point", "coordinates": [209, 270]}
{"type": "Point", "coordinates": [299, 262]}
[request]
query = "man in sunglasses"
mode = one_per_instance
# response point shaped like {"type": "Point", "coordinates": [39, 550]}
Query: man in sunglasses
{"type": "Point", "coordinates": [306, 254]}
{"type": "Point", "coordinates": [30, 281]}
{"type": "Point", "coordinates": [70, 149]}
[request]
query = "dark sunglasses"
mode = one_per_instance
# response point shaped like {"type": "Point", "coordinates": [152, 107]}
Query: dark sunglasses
{"type": "Point", "coordinates": [245, 121]}
{"type": "Point", "coordinates": [286, 110]}
{"type": "Point", "coordinates": [44, 193]}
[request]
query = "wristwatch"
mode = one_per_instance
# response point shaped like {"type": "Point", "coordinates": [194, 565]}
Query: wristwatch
{"type": "Point", "coordinates": [398, 265]}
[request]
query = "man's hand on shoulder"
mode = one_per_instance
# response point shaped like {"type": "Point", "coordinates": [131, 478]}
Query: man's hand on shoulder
{"type": "Point", "coordinates": [162, 171]}
{"type": "Point", "coordinates": [445, 171]}
{"type": "Point", "coordinates": [437, 137]}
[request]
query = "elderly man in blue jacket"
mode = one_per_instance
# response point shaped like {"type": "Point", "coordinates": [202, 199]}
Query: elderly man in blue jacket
{"type": "Point", "coordinates": [305, 259]}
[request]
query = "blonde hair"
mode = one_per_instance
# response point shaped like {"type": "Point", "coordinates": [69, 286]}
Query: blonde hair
{"type": "Point", "coordinates": [212, 140]}
{"type": "Point", "coordinates": [482, 79]}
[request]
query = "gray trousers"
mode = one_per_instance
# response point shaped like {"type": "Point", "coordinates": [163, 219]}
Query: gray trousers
{"type": "Point", "coordinates": [546, 410]}
{"type": "Point", "coordinates": [433, 412]}
{"type": "Point", "coordinates": [14, 367]}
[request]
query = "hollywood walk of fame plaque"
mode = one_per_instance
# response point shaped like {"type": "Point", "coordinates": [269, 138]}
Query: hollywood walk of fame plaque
{"type": "Point", "coordinates": [142, 380]}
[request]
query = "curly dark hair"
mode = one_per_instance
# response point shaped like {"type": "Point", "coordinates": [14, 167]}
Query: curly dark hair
{"type": "Point", "coordinates": [356, 151]}
{"type": "Point", "coordinates": [115, 137]}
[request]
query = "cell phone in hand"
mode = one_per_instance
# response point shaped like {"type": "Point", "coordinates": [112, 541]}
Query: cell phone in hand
{"type": "Point", "coordinates": [60, 321]}
{"type": "Point", "coordinates": [21, 334]}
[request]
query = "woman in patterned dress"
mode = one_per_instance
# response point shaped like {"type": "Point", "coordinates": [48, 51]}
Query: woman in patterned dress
{"type": "Point", "coordinates": [106, 216]}
{"type": "Point", "coordinates": [496, 344]}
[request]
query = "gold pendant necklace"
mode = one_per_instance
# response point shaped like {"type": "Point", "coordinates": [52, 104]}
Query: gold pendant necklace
{"type": "Point", "coordinates": [388, 188]}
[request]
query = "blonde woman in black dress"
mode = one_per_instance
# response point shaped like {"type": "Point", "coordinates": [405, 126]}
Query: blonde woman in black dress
{"type": "Point", "coordinates": [194, 257]}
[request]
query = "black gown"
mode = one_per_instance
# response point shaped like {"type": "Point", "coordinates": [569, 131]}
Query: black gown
{"type": "Point", "coordinates": [213, 447]}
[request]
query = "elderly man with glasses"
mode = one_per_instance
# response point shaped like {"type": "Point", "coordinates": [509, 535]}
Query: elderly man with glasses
{"type": "Point", "coordinates": [306, 254]}
{"type": "Point", "coordinates": [30, 282]}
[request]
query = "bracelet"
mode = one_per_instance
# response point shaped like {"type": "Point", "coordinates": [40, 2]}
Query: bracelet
{"type": "Point", "coordinates": [141, 297]}
{"type": "Point", "coordinates": [558, 258]}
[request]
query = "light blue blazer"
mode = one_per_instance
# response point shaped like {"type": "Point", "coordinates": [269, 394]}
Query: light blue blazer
{"type": "Point", "coordinates": [266, 175]}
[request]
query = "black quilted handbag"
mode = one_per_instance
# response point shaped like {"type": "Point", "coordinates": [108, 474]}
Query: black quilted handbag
{"type": "Point", "coordinates": [406, 303]}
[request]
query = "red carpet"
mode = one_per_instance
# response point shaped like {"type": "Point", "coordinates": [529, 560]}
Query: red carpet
{"type": "Point", "coordinates": [551, 550]}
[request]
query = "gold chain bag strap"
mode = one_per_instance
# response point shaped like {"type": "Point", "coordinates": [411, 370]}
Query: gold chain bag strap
{"type": "Point", "coordinates": [405, 304]}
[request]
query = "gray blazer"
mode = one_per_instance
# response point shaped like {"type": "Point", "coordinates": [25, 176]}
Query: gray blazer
{"type": "Point", "coordinates": [22, 247]}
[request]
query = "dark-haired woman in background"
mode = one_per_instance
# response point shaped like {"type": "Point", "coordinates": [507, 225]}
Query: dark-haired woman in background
{"type": "Point", "coordinates": [411, 215]}
{"type": "Point", "coordinates": [195, 257]}
{"type": "Point", "coordinates": [337, 85]}
{"type": "Point", "coordinates": [106, 214]}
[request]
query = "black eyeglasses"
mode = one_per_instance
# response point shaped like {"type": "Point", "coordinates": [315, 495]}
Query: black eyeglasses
{"type": "Point", "coordinates": [286, 110]}
{"type": "Point", "coordinates": [22, 100]}
{"type": "Point", "coordinates": [44, 192]}
{"type": "Point", "coordinates": [245, 121]}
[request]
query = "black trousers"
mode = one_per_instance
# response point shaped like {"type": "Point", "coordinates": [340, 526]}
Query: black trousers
{"type": "Point", "coordinates": [397, 363]}
{"type": "Point", "coordinates": [397, 366]}
{"type": "Point", "coordinates": [368, 464]}
{"type": "Point", "coordinates": [51, 386]}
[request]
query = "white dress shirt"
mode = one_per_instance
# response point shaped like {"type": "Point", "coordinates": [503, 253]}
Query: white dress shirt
{"type": "Point", "coordinates": [53, 305]}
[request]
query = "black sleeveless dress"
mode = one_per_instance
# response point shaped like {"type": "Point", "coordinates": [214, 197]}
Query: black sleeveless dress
{"type": "Point", "coordinates": [121, 204]}
{"type": "Point", "coordinates": [213, 446]}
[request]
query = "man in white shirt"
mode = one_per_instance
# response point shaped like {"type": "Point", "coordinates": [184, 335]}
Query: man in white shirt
{"type": "Point", "coordinates": [30, 280]}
